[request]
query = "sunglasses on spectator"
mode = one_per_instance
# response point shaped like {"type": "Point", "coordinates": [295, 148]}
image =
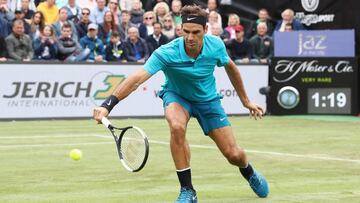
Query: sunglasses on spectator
{"type": "Point", "coordinates": [85, 14]}
{"type": "Point", "coordinates": [168, 20]}
{"type": "Point", "coordinates": [148, 18]}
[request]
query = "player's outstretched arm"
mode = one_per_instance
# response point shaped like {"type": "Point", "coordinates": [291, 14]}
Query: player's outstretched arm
{"type": "Point", "coordinates": [235, 77]}
{"type": "Point", "coordinates": [130, 84]}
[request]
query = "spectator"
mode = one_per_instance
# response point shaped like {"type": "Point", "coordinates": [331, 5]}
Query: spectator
{"type": "Point", "coordinates": [90, 4]}
{"type": "Point", "coordinates": [234, 20]}
{"type": "Point", "coordinates": [49, 10]}
{"type": "Point", "coordinates": [212, 20]}
{"type": "Point", "coordinates": [156, 39]}
{"type": "Point", "coordinates": [3, 51]}
{"type": "Point", "coordinates": [288, 27]}
{"type": "Point", "coordinates": [63, 18]}
{"type": "Point", "coordinates": [73, 11]}
{"type": "Point", "coordinates": [149, 19]}
{"type": "Point", "coordinates": [115, 50]}
{"type": "Point", "coordinates": [20, 16]}
{"type": "Point", "coordinates": [97, 13]}
{"type": "Point", "coordinates": [169, 26]}
{"type": "Point", "coordinates": [18, 44]}
{"type": "Point", "coordinates": [213, 5]}
{"type": "Point", "coordinates": [160, 10]}
{"type": "Point", "coordinates": [136, 48]}
{"type": "Point", "coordinates": [113, 6]}
{"type": "Point", "coordinates": [5, 28]}
{"type": "Point", "coordinates": [5, 12]}
{"type": "Point", "coordinates": [82, 25]}
{"type": "Point", "coordinates": [136, 13]}
{"type": "Point", "coordinates": [37, 23]}
{"type": "Point", "coordinates": [178, 31]}
{"type": "Point", "coordinates": [218, 31]}
{"type": "Point", "coordinates": [263, 48]}
{"type": "Point", "coordinates": [26, 10]}
{"type": "Point", "coordinates": [94, 44]}
{"type": "Point", "coordinates": [23, 5]}
{"type": "Point", "coordinates": [125, 24]}
{"type": "Point", "coordinates": [45, 47]}
{"type": "Point", "coordinates": [288, 17]}
{"type": "Point", "coordinates": [263, 16]}
{"type": "Point", "coordinates": [125, 5]}
{"type": "Point", "coordinates": [106, 28]}
{"type": "Point", "coordinates": [68, 48]}
{"type": "Point", "coordinates": [176, 6]}
{"type": "Point", "coordinates": [150, 4]}
{"type": "Point", "coordinates": [240, 48]}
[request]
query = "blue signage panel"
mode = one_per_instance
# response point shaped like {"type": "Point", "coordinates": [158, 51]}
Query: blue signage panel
{"type": "Point", "coordinates": [323, 43]}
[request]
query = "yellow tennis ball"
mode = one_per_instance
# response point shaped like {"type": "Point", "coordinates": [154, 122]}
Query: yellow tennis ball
{"type": "Point", "coordinates": [75, 154]}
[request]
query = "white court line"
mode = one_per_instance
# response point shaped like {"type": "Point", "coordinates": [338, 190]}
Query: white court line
{"type": "Point", "coordinates": [326, 158]}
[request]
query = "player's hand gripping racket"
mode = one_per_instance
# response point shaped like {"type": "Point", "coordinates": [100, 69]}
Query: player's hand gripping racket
{"type": "Point", "coordinates": [132, 145]}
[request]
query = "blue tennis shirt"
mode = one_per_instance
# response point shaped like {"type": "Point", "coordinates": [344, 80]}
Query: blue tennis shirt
{"type": "Point", "coordinates": [191, 78]}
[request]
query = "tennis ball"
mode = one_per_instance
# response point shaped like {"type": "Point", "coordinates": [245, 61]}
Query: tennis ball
{"type": "Point", "coordinates": [75, 154]}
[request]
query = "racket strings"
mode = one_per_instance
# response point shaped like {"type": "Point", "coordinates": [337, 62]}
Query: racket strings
{"type": "Point", "coordinates": [133, 148]}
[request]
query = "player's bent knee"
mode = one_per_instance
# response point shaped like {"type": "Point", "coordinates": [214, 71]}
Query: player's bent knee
{"type": "Point", "coordinates": [235, 156]}
{"type": "Point", "coordinates": [177, 128]}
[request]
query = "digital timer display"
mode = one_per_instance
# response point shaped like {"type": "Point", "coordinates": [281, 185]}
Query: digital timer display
{"type": "Point", "coordinates": [329, 101]}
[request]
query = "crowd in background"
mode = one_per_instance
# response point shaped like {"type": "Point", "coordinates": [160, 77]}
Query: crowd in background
{"type": "Point", "coordinates": [122, 30]}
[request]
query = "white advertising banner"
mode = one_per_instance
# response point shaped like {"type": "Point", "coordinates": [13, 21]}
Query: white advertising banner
{"type": "Point", "coordinates": [73, 90]}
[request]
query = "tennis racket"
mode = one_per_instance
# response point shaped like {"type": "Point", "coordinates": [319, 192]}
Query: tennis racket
{"type": "Point", "coordinates": [132, 145]}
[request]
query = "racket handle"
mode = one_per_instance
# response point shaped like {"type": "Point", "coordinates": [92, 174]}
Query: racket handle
{"type": "Point", "coordinates": [106, 122]}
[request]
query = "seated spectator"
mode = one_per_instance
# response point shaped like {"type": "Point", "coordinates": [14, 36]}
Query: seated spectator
{"type": "Point", "coordinates": [218, 31]}
{"type": "Point", "coordinates": [262, 44]}
{"type": "Point", "coordinates": [212, 20]}
{"type": "Point", "coordinates": [49, 10]}
{"type": "Point", "coordinates": [82, 25]}
{"type": "Point", "coordinates": [288, 18]}
{"type": "Point", "coordinates": [150, 4]}
{"type": "Point", "coordinates": [149, 19]}
{"type": "Point", "coordinates": [156, 39]}
{"type": "Point", "coordinates": [160, 10]}
{"type": "Point", "coordinates": [45, 47]}
{"type": "Point", "coordinates": [68, 48]}
{"type": "Point", "coordinates": [28, 7]}
{"type": "Point", "coordinates": [213, 5]}
{"type": "Point", "coordinates": [26, 10]}
{"type": "Point", "coordinates": [125, 24]}
{"type": "Point", "coordinates": [136, 48]}
{"type": "Point", "coordinates": [94, 44]}
{"type": "Point", "coordinates": [20, 16]}
{"type": "Point", "coordinates": [3, 51]}
{"type": "Point", "coordinates": [176, 6]}
{"type": "Point", "coordinates": [5, 12]}
{"type": "Point", "coordinates": [90, 4]}
{"type": "Point", "coordinates": [106, 28]}
{"type": "Point", "coordinates": [113, 6]}
{"type": "Point", "coordinates": [178, 31]}
{"type": "Point", "coordinates": [125, 4]}
{"type": "Point", "coordinates": [63, 18]}
{"type": "Point", "coordinates": [136, 13]}
{"type": "Point", "coordinates": [37, 23]}
{"type": "Point", "coordinates": [98, 12]}
{"type": "Point", "coordinates": [168, 26]}
{"type": "Point", "coordinates": [115, 50]}
{"type": "Point", "coordinates": [73, 11]}
{"type": "Point", "coordinates": [18, 44]}
{"type": "Point", "coordinates": [263, 16]}
{"type": "Point", "coordinates": [5, 28]}
{"type": "Point", "coordinates": [240, 48]}
{"type": "Point", "coordinates": [288, 27]}
{"type": "Point", "coordinates": [234, 20]}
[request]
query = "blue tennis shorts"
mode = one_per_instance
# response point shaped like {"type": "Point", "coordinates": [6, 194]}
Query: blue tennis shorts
{"type": "Point", "coordinates": [210, 115]}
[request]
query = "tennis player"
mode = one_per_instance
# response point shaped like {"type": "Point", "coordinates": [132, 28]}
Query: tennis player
{"type": "Point", "coordinates": [188, 63]}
